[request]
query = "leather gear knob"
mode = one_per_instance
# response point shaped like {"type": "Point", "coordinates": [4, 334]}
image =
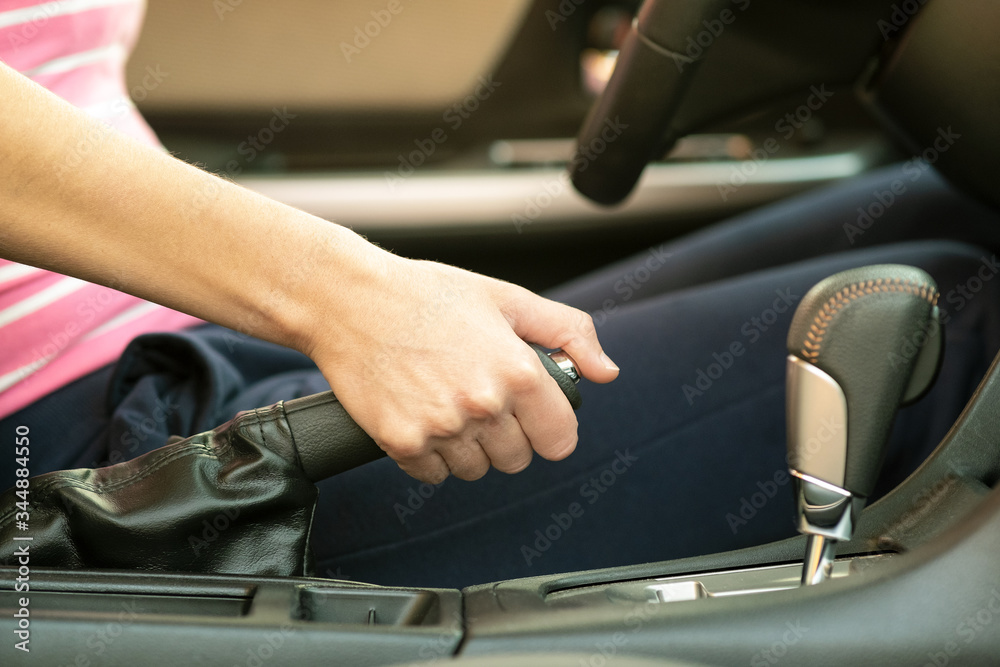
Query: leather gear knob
{"type": "Point", "coordinates": [876, 332]}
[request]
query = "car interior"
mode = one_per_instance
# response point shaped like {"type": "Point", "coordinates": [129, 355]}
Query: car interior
{"type": "Point", "coordinates": [534, 140]}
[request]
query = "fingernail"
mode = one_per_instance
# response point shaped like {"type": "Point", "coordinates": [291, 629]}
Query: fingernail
{"type": "Point", "coordinates": [610, 365]}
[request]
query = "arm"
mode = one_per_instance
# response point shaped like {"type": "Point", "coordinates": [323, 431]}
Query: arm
{"type": "Point", "coordinates": [427, 358]}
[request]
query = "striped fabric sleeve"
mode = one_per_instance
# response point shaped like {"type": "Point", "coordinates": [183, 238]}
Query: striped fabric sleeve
{"type": "Point", "coordinates": [55, 329]}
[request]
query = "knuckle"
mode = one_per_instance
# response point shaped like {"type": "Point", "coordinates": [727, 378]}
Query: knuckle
{"type": "Point", "coordinates": [446, 424]}
{"type": "Point", "coordinates": [405, 446]}
{"type": "Point", "coordinates": [486, 404]}
{"type": "Point", "coordinates": [526, 373]}
{"type": "Point", "coordinates": [466, 460]}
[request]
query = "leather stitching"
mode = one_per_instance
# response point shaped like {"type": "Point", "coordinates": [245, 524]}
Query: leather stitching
{"type": "Point", "coordinates": [291, 436]}
{"type": "Point", "coordinates": [304, 561]}
{"type": "Point", "coordinates": [817, 330]}
{"type": "Point", "coordinates": [260, 428]}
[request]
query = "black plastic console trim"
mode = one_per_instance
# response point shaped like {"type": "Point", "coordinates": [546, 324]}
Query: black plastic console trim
{"type": "Point", "coordinates": [943, 520]}
{"type": "Point", "coordinates": [87, 617]}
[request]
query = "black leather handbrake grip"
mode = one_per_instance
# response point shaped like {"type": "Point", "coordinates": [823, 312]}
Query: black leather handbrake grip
{"type": "Point", "coordinates": [238, 498]}
{"type": "Point", "coordinates": [329, 442]}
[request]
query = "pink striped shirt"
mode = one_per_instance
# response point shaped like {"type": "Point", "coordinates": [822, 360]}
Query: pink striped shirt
{"type": "Point", "coordinates": [55, 329]}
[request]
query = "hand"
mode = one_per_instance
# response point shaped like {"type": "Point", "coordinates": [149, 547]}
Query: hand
{"type": "Point", "coordinates": [428, 359]}
{"type": "Point", "coordinates": [432, 362]}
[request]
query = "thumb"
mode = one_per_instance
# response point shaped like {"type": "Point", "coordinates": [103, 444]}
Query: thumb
{"type": "Point", "coordinates": [555, 325]}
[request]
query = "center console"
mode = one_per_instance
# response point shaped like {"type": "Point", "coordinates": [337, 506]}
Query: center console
{"type": "Point", "coordinates": [918, 582]}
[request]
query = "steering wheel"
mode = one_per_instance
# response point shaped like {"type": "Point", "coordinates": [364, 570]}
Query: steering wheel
{"type": "Point", "coordinates": [687, 64]}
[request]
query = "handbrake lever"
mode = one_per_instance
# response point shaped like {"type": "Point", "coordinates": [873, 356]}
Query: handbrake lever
{"type": "Point", "coordinates": [848, 374]}
{"type": "Point", "coordinates": [329, 442]}
{"type": "Point", "coordinates": [238, 498]}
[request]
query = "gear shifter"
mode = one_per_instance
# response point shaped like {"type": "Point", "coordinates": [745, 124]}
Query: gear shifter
{"type": "Point", "coordinates": [862, 343]}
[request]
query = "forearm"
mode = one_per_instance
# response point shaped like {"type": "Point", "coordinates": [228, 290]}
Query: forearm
{"type": "Point", "coordinates": [430, 360]}
{"type": "Point", "coordinates": [85, 201]}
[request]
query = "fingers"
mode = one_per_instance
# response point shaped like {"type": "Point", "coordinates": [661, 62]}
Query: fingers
{"type": "Point", "coordinates": [507, 446]}
{"type": "Point", "coordinates": [525, 411]}
{"type": "Point", "coordinates": [495, 440]}
{"type": "Point", "coordinates": [466, 459]}
{"type": "Point", "coordinates": [460, 412]}
{"type": "Point", "coordinates": [430, 467]}
{"type": "Point", "coordinates": [555, 325]}
{"type": "Point", "coordinates": [544, 414]}
{"type": "Point", "coordinates": [500, 442]}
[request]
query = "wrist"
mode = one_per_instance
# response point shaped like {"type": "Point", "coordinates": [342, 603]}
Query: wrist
{"type": "Point", "coordinates": [327, 290]}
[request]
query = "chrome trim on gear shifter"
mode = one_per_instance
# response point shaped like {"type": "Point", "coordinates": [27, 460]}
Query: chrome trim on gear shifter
{"type": "Point", "coordinates": [817, 423]}
{"type": "Point", "coordinates": [820, 556]}
{"type": "Point", "coordinates": [827, 514]}
{"type": "Point", "coordinates": [825, 509]}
